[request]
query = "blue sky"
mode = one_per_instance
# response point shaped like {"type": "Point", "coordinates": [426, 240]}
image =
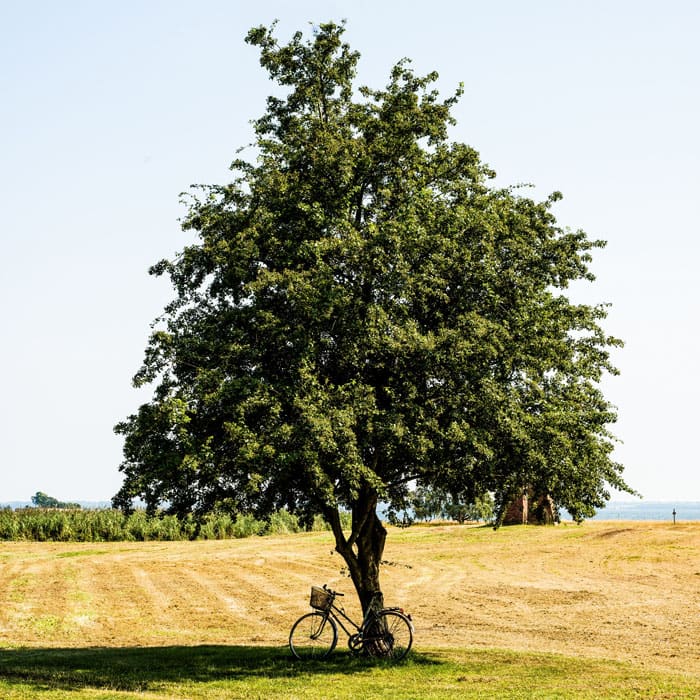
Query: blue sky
{"type": "Point", "coordinates": [108, 110]}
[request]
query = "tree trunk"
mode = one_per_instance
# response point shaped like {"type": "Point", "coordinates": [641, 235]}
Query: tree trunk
{"type": "Point", "coordinates": [363, 550]}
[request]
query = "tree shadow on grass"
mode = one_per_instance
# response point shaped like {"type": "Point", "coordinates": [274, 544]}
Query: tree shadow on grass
{"type": "Point", "coordinates": [143, 668]}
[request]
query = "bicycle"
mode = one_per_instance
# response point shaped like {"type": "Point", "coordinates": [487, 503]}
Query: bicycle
{"type": "Point", "coordinates": [385, 633]}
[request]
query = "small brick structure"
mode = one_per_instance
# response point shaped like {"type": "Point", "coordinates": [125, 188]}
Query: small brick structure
{"type": "Point", "coordinates": [529, 508]}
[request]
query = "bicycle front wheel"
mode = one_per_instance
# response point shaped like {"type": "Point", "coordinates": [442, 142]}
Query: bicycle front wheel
{"type": "Point", "coordinates": [393, 637]}
{"type": "Point", "coordinates": [313, 636]}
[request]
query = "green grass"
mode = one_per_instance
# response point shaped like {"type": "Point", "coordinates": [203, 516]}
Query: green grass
{"type": "Point", "coordinates": [82, 553]}
{"type": "Point", "coordinates": [217, 672]}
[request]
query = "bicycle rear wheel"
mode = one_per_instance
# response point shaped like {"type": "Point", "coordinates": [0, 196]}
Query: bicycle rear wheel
{"type": "Point", "coordinates": [392, 638]}
{"type": "Point", "coordinates": [313, 636]}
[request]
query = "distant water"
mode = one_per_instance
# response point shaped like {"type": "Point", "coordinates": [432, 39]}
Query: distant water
{"type": "Point", "coordinates": [650, 510]}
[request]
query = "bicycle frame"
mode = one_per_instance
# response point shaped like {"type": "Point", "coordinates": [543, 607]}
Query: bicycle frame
{"type": "Point", "coordinates": [336, 613]}
{"type": "Point", "coordinates": [359, 634]}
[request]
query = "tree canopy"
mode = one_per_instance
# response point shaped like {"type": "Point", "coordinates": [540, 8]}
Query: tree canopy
{"type": "Point", "coordinates": [364, 311]}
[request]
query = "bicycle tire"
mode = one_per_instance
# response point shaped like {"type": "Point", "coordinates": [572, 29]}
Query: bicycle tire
{"type": "Point", "coordinates": [395, 638]}
{"type": "Point", "coordinates": [313, 636]}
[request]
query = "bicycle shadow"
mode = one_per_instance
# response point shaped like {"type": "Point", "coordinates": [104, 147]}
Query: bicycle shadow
{"type": "Point", "coordinates": [139, 669]}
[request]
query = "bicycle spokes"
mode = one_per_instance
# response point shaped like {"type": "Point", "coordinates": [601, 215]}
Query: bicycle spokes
{"type": "Point", "coordinates": [316, 633]}
{"type": "Point", "coordinates": [390, 636]}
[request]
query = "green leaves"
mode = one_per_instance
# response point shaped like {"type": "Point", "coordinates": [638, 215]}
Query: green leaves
{"type": "Point", "coordinates": [361, 310]}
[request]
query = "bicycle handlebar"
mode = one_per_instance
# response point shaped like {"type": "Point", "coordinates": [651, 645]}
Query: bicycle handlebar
{"type": "Point", "coordinates": [331, 591]}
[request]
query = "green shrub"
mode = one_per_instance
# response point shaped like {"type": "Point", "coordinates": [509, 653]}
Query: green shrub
{"type": "Point", "coordinates": [105, 525]}
{"type": "Point", "coordinates": [283, 523]}
{"type": "Point", "coordinates": [247, 526]}
{"type": "Point", "coordinates": [136, 527]}
{"type": "Point", "coordinates": [9, 525]}
{"type": "Point", "coordinates": [319, 524]}
{"type": "Point", "coordinates": [217, 526]}
{"type": "Point", "coordinates": [166, 528]}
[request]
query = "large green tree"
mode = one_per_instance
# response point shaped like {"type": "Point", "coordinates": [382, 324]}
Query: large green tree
{"type": "Point", "coordinates": [363, 311]}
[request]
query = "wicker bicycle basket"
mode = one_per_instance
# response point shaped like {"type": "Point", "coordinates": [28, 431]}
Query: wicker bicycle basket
{"type": "Point", "coordinates": [320, 598]}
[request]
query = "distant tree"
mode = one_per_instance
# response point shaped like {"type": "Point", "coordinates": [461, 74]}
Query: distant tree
{"type": "Point", "coordinates": [363, 311]}
{"type": "Point", "coordinates": [480, 509]}
{"type": "Point", "coordinates": [42, 500]}
{"type": "Point", "coordinates": [434, 502]}
{"type": "Point", "coordinates": [428, 503]}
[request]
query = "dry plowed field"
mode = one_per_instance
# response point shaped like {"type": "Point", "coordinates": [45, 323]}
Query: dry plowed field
{"type": "Point", "coordinates": [615, 590]}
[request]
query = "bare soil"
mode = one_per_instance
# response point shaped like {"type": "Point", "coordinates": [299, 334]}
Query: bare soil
{"type": "Point", "coordinates": [627, 591]}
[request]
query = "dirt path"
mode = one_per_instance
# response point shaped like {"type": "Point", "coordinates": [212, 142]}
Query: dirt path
{"type": "Point", "coordinates": [627, 591]}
